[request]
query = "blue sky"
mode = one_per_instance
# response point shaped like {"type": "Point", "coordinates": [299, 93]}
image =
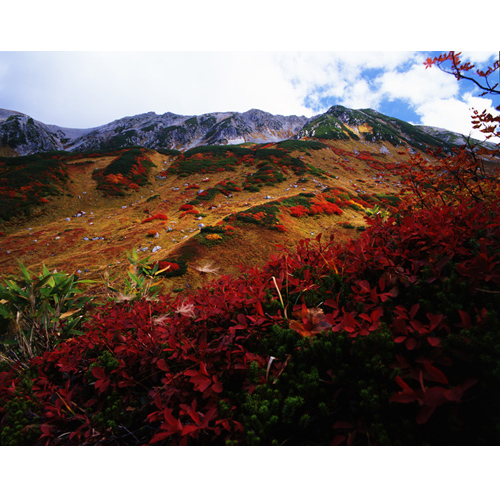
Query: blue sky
{"type": "Point", "coordinates": [212, 60]}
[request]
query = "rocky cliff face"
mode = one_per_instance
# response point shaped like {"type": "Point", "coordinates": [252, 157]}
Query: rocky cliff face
{"type": "Point", "coordinates": [23, 135]}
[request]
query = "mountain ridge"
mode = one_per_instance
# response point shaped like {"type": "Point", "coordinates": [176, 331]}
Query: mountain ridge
{"type": "Point", "coordinates": [20, 134]}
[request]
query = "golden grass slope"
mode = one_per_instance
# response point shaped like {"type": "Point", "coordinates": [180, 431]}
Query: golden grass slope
{"type": "Point", "coordinates": [98, 241]}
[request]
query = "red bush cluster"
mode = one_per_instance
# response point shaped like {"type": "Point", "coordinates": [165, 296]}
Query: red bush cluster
{"type": "Point", "coordinates": [155, 217]}
{"type": "Point", "coordinates": [317, 207]}
{"type": "Point", "coordinates": [365, 156]}
{"type": "Point", "coordinates": [172, 266]}
{"type": "Point", "coordinates": [299, 211]}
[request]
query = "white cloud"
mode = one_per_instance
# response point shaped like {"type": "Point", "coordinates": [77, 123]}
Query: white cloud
{"type": "Point", "coordinates": [435, 96]}
{"type": "Point", "coordinates": [338, 75]}
{"type": "Point", "coordinates": [479, 57]}
{"type": "Point", "coordinates": [361, 95]}
{"type": "Point", "coordinates": [417, 85]}
{"type": "Point", "coordinates": [453, 114]}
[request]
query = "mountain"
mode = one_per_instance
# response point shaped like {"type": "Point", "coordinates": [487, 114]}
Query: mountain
{"type": "Point", "coordinates": [371, 126]}
{"type": "Point", "coordinates": [21, 135]}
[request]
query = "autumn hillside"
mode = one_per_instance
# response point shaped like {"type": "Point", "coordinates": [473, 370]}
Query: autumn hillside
{"type": "Point", "coordinates": [82, 213]}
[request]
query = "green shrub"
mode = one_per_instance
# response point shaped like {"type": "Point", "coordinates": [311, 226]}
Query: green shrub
{"type": "Point", "coordinates": [300, 405]}
{"type": "Point", "coordinates": [39, 312]}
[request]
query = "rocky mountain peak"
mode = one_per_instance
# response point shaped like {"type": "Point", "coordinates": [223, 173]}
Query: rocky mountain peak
{"type": "Point", "coordinates": [21, 134]}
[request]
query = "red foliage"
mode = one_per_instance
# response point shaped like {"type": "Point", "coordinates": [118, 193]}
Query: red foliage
{"type": "Point", "coordinates": [155, 217]}
{"type": "Point", "coordinates": [299, 211]}
{"type": "Point", "coordinates": [170, 370]}
{"type": "Point", "coordinates": [172, 266]}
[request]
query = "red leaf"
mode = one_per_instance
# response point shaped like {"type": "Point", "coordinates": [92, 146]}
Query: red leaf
{"type": "Point", "coordinates": [419, 327]}
{"type": "Point", "coordinates": [258, 308]}
{"type": "Point", "coordinates": [98, 372]}
{"type": "Point", "coordinates": [203, 369]}
{"type": "Point", "coordinates": [454, 394]}
{"type": "Point", "coordinates": [435, 319]}
{"type": "Point", "coordinates": [201, 382]}
{"type": "Point", "coordinates": [194, 430]}
{"type": "Point", "coordinates": [424, 414]}
{"type": "Point", "coordinates": [436, 374]}
{"type": "Point", "coordinates": [172, 421]}
{"type": "Point", "coordinates": [381, 284]}
{"type": "Point", "coordinates": [217, 387]}
{"type": "Point", "coordinates": [162, 365]}
{"type": "Point", "coordinates": [102, 385]}
{"type": "Point", "coordinates": [210, 415]}
{"type": "Point", "coordinates": [160, 437]}
{"type": "Point", "coordinates": [46, 432]}
{"type": "Point", "coordinates": [339, 439]}
{"type": "Point", "coordinates": [433, 341]}
{"type": "Point", "coordinates": [349, 322]}
{"type": "Point", "coordinates": [376, 314]}
{"type": "Point", "coordinates": [242, 319]}
{"type": "Point", "coordinates": [435, 396]}
{"type": "Point", "coordinates": [158, 402]}
{"type": "Point", "coordinates": [414, 309]}
{"type": "Point", "coordinates": [408, 395]}
{"type": "Point", "coordinates": [411, 343]}
{"type": "Point", "coordinates": [466, 322]}
{"type": "Point", "coordinates": [194, 416]}
{"type": "Point", "coordinates": [331, 303]}
{"type": "Point", "coordinates": [402, 383]}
